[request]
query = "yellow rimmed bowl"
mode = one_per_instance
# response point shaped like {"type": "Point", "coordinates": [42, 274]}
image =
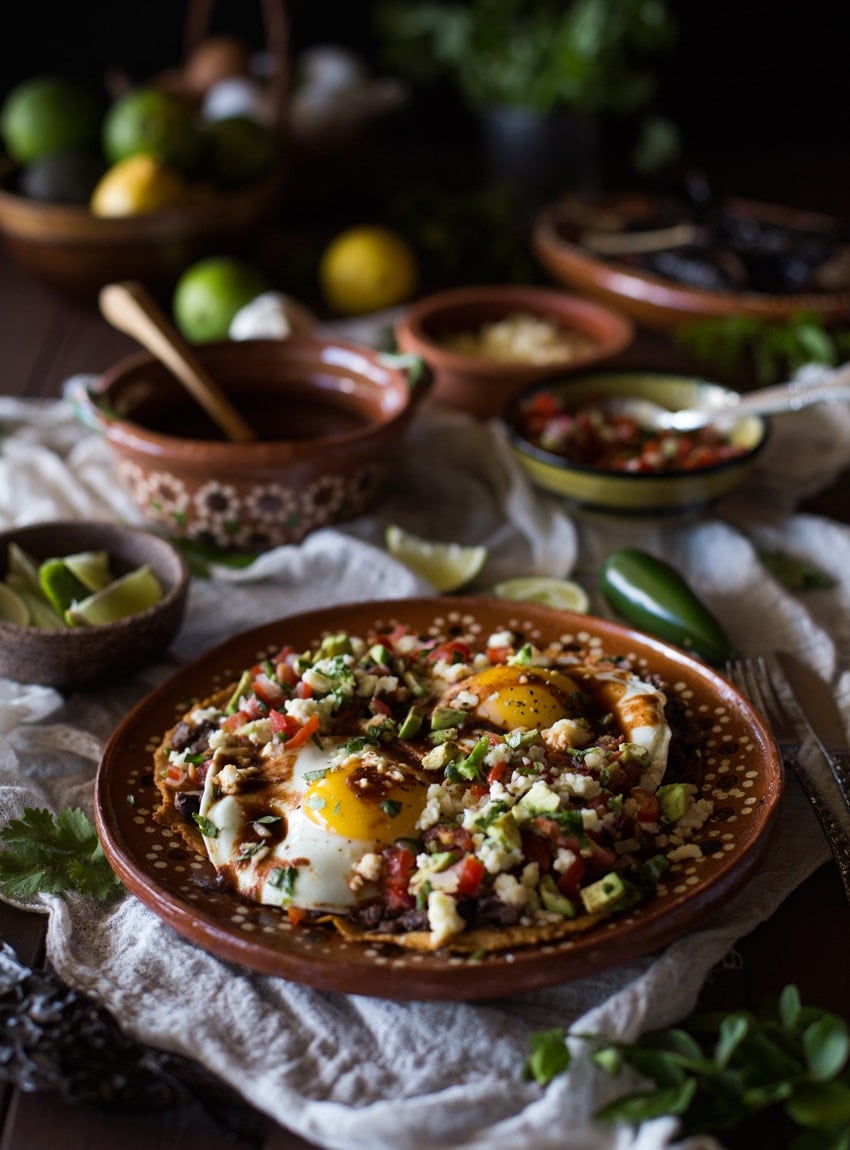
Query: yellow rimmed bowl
{"type": "Point", "coordinates": [608, 491]}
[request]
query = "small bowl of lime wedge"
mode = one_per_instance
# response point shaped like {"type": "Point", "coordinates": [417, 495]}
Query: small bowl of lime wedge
{"type": "Point", "coordinates": [84, 603]}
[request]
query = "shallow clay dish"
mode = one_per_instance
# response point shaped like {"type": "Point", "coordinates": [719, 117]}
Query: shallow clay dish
{"type": "Point", "coordinates": [481, 385]}
{"type": "Point", "coordinates": [632, 493]}
{"type": "Point", "coordinates": [326, 412]}
{"type": "Point", "coordinates": [81, 658]}
{"type": "Point", "coordinates": [661, 303]}
{"type": "Point", "coordinates": [742, 776]}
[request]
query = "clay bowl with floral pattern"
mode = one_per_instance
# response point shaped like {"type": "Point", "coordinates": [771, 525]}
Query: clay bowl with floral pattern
{"type": "Point", "coordinates": [326, 413]}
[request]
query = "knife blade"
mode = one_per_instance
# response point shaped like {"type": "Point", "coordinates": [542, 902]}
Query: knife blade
{"type": "Point", "coordinates": [821, 715]}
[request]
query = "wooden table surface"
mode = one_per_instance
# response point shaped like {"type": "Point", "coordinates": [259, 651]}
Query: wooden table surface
{"type": "Point", "coordinates": [44, 340]}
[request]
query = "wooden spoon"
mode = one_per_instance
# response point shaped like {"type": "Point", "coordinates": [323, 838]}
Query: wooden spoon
{"type": "Point", "coordinates": [128, 307]}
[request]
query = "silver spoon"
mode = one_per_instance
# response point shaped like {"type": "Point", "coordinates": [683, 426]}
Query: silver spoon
{"type": "Point", "coordinates": [731, 406]}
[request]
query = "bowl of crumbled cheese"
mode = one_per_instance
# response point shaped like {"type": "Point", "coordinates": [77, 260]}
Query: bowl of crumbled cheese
{"type": "Point", "coordinates": [485, 343]}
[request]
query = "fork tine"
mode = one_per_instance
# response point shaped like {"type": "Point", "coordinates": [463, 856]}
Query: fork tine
{"type": "Point", "coordinates": [753, 679]}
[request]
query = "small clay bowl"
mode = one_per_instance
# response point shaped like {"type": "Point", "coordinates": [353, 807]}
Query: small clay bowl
{"type": "Point", "coordinates": [622, 493]}
{"type": "Point", "coordinates": [84, 657]}
{"type": "Point", "coordinates": [482, 385]}
{"type": "Point", "coordinates": [326, 411]}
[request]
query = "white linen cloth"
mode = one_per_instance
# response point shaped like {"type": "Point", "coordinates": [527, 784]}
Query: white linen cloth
{"type": "Point", "coordinates": [350, 1071]}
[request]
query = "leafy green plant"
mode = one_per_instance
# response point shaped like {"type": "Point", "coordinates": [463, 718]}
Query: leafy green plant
{"type": "Point", "coordinates": [718, 1069]}
{"type": "Point", "coordinates": [588, 55]}
{"type": "Point", "coordinates": [53, 854]}
{"type": "Point", "coordinates": [772, 349]}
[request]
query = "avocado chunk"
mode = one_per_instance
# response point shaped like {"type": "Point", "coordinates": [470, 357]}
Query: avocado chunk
{"type": "Point", "coordinates": [673, 799]}
{"type": "Point", "coordinates": [604, 895]}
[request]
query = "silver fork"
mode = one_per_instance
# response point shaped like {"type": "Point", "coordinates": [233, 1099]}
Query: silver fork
{"type": "Point", "coordinates": [753, 679]}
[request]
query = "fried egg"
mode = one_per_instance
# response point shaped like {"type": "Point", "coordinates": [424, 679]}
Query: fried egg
{"type": "Point", "coordinates": [304, 828]}
{"type": "Point", "coordinates": [509, 696]}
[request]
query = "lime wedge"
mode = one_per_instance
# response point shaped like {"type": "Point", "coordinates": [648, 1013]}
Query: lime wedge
{"type": "Point", "coordinates": [133, 592]}
{"type": "Point", "coordinates": [563, 594]}
{"type": "Point", "coordinates": [91, 568]}
{"type": "Point", "coordinates": [12, 607]}
{"type": "Point", "coordinates": [41, 614]}
{"type": "Point", "coordinates": [21, 565]}
{"type": "Point", "coordinates": [446, 566]}
{"type": "Point", "coordinates": [61, 587]}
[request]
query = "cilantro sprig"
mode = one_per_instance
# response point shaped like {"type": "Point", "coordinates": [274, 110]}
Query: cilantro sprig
{"type": "Point", "coordinates": [52, 854]}
{"type": "Point", "coordinates": [718, 1069]}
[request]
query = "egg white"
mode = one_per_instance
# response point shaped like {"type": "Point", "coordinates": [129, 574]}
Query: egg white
{"type": "Point", "coordinates": [325, 858]}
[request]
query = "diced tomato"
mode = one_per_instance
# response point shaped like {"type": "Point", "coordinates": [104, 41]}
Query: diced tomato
{"type": "Point", "coordinates": [283, 724]}
{"type": "Point", "coordinates": [379, 707]}
{"type": "Point", "coordinates": [232, 722]}
{"type": "Point", "coordinates": [478, 790]}
{"type": "Point", "coordinates": [286, 673]}
{"type": "Point", "coordinates": [296, 915]}
{"type": "Point", "coordinates": [452, 651]}
{"type": "Point", "coordinates": [304, 733]}
{"type": "Point", "coordinates": [498, 654]}
{"type": "Point", "coordinates": [268, 691]}
{"type": "Point", "coordinates": [399, 865]}
{"type": "Point", "coordinates": [648, 809]}
{"type": "Point", "coordinates": [537, 850]}
{"type": "Point", "coordinates": [304, 690]}
{"type": "Point", "coordinates": [470, 872]}
{"type": "Point", "coordinates": [569, 880]}
{"type": "Point", "coordinates": [497, 772]}
{"type": "Point", "coordinates": [600, 859]}
{"type": "Point", "coordinates": [175, 774]}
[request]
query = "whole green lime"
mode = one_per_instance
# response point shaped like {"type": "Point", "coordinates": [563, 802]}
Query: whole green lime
{"type": "Point", "coordinates": [48, 114]}
{"type": "Point", "coordinates": [155, 122]}
{"type": "Point", "coordinates": [210, 292]}
{"type": "Point", "coordinates": [240, 150]}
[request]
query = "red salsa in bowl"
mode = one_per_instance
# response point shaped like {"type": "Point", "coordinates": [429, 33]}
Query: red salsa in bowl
{"type": "Point", "coordinates": [591, 435]}
{"type": "Point", "coordinates": [572, 441]}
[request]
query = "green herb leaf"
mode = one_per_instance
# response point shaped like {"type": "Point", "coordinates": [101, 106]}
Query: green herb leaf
{"type": "Point", "coordinates": [549, 1056]}
{"type": "Point", "coordinates": [821, 1105]}
{"type": "Point", "coordinates": [826, 1046]}
{"type": "Point", "coordinates": [52, 855]}
{"type": "Point", "coordinates": [794, 573]}
{"type": "Point", "coordinates": [640, 1107]}
{"type": "Point", "coordinates": [206, 826]}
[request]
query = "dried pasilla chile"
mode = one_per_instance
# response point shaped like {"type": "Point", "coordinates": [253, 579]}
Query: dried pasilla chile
{"type": "Point", "coordinates": [58, 1040]}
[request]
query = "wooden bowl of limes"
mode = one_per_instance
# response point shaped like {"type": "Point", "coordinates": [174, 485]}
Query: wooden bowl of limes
{"type": "Point", "coordinates": [146, 190]}
{"type": "Point", "coordinates": [85, 603]}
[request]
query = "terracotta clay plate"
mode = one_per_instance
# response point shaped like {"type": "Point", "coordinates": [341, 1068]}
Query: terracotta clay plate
{"type": "Point", "coordinates": [742, 775]}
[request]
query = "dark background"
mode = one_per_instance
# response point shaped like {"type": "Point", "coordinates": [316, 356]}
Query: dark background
{"type": "Point", "coordinates": [759, 91]}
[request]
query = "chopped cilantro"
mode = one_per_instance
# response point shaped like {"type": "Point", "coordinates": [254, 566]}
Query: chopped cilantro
{"type": "Point", "coordinates": [207, 828]}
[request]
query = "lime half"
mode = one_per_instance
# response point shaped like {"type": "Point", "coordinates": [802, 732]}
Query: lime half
{"type": "Point", "coordinates": [446, 566]}
{"type": "Point", "coordinates": [12, 607]}
{"type": "Point", "coordinates": [132, 593]}
{"type": "Point", "coordinates": [563, 594]}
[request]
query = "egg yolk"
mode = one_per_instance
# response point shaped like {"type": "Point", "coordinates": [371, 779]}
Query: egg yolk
{"type": "Point", "coordinates": [363, 799]}
{"type": "Point", "coordinates": [512, 696]}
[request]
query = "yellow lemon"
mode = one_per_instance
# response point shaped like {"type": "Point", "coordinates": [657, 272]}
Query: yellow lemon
{"type": "Point", "coordinates": [366, 268]}
{"type": "Point", "coordinates": [137, 185]}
